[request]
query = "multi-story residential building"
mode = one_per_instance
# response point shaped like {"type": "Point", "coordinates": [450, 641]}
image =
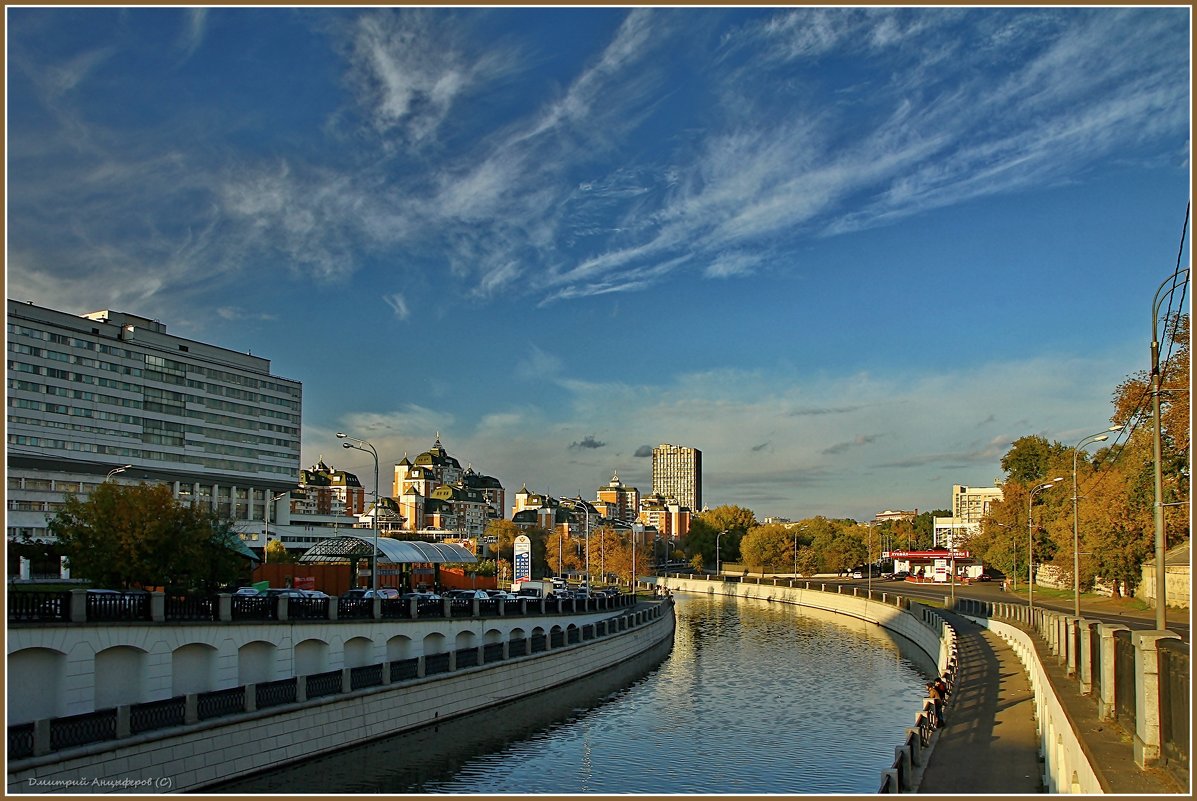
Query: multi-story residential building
{"type": "Point", "coordinates": [324, 490]}
{"type": "Point", "coordinates": [677, 473]}
{"type": "Point", "coordinates": [666, 515]}
{"type": "Point", "coordinates": [434, 493]}
{"type": "Point", "coordinates": [113, 396]}
{"type": "Point", "coordinates": [970, 505]}
{"type": "Point", "coordinates": [619, 501]}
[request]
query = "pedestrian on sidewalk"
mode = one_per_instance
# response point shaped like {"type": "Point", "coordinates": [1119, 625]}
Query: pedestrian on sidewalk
{"type": "Point", "coordinates": [937, 698]}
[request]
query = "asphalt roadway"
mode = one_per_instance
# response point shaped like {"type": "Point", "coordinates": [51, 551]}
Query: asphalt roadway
{"type": "Point", "coordinates": [1107, 610]}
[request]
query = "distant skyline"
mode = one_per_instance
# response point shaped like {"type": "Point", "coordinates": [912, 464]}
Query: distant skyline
{"type": "Point", "coordinates": [850, 254]}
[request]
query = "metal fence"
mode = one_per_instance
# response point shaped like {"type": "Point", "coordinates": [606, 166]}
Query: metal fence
{"type": "Point", "coordinates": [327, 683]}
{"type": "Point", "coordinates": [365, 676]}
{"type": "Point", "coordinates": [117, 606]}
{"type": "Point", "coordinates": [274, 693]}
{"type": "Point", "coordinates": [436, 663]}
{"type": "Point", "coordinates": [1124, 680]}
{"type": "Point", "coordinates": [158, 714]}
{"type": "Point", "coordinates": [1174, 707]}
{"type": "Point", "coordinates": [191, 607]}
{"type": "Point", "coordinates": [221, 702]}
{"type": "Point", "coordinates": [38, 607]}
{"type": "Point", "coordinates": [89, 727]}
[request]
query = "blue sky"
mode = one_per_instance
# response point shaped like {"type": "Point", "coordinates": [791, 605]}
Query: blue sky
{"type": "Point", "coordinates": [850, 254]}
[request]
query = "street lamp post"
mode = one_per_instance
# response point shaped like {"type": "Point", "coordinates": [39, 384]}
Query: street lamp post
{"type": "Point", "coordinates": [114, 471]}
{"type": "Point", "coordinates": [586, 515]}
{"type": "Point", "coordinates": [1076, 551]}
{"type": "Point", "coordinates": [1161, 584]}
{"type": "Point", "coordinates": [362, 445]}
{"type": "Point", "coordinates": [1030, 537]}
{"type": "Point", "coordinates": [269, 504]}
{"type": "Point", "coordinates": [718, 570]}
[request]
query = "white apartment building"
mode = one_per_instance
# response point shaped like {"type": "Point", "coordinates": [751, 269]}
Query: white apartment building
{"type": "Point", "coordinates": [970, 505]}
{"type": "Point", "coordinates": [113, 396]}
{"type": "Point", "coordinates": [677, 473]}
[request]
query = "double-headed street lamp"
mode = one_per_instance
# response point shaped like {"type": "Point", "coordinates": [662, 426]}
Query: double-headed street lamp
{"type": "Point", "coordinates": [362, 445]}
{"type": "Point", "coordinates": [1030, 538]}
{"type": "Point", "coordinates": [1076, 551]}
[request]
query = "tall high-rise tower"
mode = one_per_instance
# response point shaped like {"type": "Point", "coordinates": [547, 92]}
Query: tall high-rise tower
{"type": "Point", "coordinates": [677, 472]}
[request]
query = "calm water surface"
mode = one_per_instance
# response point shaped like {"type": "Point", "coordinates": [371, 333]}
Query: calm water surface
{"type": "Point", "coordinates": [754, 698]}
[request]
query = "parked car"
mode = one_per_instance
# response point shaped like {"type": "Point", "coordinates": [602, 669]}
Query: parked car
{"type": "Point", "coordinates": [247, 591]}
{"type": "Point", "coordinates": [901, 575]}
{"type": "Point", "coordinates": [984, 577]}
{"type": "Point", "coordinates": [357, 594]}
{"type": "Point", "coordinates": [501, 595]}
{"type": "Point", "coordinates": [389, 592]}
{"type": "Point", "coordinates": [314, 594]}
{"type": "Point", "coordinates": [420, 596]}
{"type": "Point", "coordinates": [290, 592]}
{"type": "Point", "coordinates": [467, 595]}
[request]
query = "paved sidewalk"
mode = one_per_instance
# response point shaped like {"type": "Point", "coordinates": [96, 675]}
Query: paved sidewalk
{"type": "Point", "coordinates": [990, 743]}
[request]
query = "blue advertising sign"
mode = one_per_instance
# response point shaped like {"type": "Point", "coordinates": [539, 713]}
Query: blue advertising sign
{"type": "Point", "coordinates": [523, 559]}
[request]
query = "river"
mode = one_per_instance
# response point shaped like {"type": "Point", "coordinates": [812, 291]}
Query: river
{"type": "Point", "coordinates": [755, 697]}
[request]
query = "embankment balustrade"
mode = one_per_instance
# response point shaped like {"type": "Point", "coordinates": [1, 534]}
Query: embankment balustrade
{"type": "Point", "coordinates": [1138, 680]}
{"type": "Point", "coordinates": [81, 606]}
{"type": "Point", "coordinates": [48, 735]}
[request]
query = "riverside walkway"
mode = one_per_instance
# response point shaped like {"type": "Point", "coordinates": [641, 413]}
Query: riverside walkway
{"type": "Point", "coordinates": [990, 743]}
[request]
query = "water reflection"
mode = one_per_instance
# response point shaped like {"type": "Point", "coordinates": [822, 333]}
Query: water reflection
{"type": "Point", "coordinates": [755, 697]}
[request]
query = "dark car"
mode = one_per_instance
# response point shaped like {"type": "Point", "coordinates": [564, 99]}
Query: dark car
{"type": "Point", "coordinates": [901, 575]}
{"type": "Point", "coordinates": [984, 577]}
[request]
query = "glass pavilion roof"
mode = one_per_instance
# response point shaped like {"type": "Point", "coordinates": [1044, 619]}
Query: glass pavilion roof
{"type": "Point", "coordinates": [345, 547]}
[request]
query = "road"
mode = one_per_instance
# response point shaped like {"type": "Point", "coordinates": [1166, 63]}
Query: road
{"type": "Point", "coordinates": [1107, 610]}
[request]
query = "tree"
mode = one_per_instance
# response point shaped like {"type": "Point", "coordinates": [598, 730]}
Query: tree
{"type": "Point", "coordinates": [769, 549]}
{"type": "Point", "coordinates": [139, 535]}
{"type": "Point", "coordinates": [1031, 458]}
{"type": "Point", "coordinates": [277, 553]}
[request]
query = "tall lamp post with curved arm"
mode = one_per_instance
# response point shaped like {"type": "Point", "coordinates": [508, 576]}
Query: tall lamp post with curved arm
{"type": "Point", "coordinates": [1030, 539]}
{"type": "Point", "coordinates": [362, 445]}
{"type": "Point", "coordinates": [1157, 379]}
{"type": "Point", "coordinates": [1076, 539]}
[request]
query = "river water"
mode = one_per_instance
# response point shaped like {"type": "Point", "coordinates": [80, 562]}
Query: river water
{"type": "Point", "coordinates": [755, 697]}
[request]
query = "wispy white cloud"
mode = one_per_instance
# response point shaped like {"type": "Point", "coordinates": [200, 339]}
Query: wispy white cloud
{"type": "Point", "coordinates": [398, 305]}
{"type": "Point", "coordinates": [194, 29]}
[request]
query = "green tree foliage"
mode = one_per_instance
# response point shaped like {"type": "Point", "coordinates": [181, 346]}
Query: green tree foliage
{"type": "Point", "coordinates": [706, 527]}
{"type": "Point", "coordinates": [138, 535]}
{"type": "Point", "coordinates": [771, 548]}
{"type": "Point", "coordinates": [1033, 457]}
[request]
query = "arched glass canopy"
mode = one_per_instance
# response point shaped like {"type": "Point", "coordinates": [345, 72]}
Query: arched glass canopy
{"type": "Point", "coordinates": [350, 546]}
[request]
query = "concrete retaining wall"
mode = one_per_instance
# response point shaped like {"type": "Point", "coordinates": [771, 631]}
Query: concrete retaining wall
{"type": "Point", "coordinates": [881, 611]}
{"type": "Point", "coordinates": [192, 757]}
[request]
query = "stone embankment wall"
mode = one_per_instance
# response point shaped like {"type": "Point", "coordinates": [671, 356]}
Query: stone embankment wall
{"type": "Point", "coordinates": [197, 755]}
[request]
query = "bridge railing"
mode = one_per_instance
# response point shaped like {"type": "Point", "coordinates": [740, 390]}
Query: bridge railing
{"type": "Point", "coordinates": [1137, 680]}
{"type": "Point", "coordinates": [113, 723]}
